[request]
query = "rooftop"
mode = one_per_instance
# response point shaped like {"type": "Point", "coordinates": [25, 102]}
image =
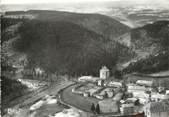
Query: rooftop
{"type": "Point", "coordinates": [105, 68]}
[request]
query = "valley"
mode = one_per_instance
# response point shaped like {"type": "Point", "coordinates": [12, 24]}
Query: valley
{"type": "Point", "coordinates": [45, 53]}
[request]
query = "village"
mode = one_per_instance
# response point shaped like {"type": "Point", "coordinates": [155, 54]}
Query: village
{"type": "Point", "coordinates": [105, 94]}
{"type": "Point", "coordinates": [124, 97]}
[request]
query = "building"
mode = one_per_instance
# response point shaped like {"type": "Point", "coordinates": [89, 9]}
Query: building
{"type": "Point", "coordinates": [167, 92]}
{"type": "Point", "coordinates": [127, 109]}
{"type": "Point", "coordinates": [156, 109]}
{"type": "Point", "coordinates": [158, 96]}
{"type": "Point", "coordinates": [108, 106]}
{"type": "Point", "coordinates": [86, 94]}
{"type": "Point", "coordinates": [131, 100]}
{"type": "Point", "coordinates": [93, 91]}
{"type": "Point", "coordinates": [99, 96]}
{"type": "Point", "coordinates": [106, 93]}
{"type": "Point", "coordinates": [115, 84]}
{"type": "Point", "coordinates": [134, 88]}
{"type": "Point", "coordinates": [140, 94]}
{"type": "Point", "coordinates": [100, 82]}
{"type": "Point", "coordinates": [39, 71]}
{"type": "Point", "coordinates": [144, 83]}
{"type": "Point", "coordinates": [88, 79]}
{"type": "Point", "coordinates": [104, 72]}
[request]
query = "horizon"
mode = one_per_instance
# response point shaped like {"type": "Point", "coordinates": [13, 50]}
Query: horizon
{"type": "Point", "coordinates": [84, 5]}
{"type": "Point", "coordinates": [21, 2]}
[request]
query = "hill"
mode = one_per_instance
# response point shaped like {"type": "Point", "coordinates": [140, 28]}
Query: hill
{"type": "Point", "coordinates": [100, 24]}
{"type": "Point", "coordinates": [151, 43]}
{"type": "Point", "coordinates": [65, 47]}
{"type": "Point", "coordinates": [152, 37]}
{"type": "Point", "coordinates": [58, 40]}
{"type": "Point", "coordinates": [65, 42]}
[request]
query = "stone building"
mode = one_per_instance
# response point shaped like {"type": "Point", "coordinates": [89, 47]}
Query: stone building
{"type": "Point", "coordinates": [127, 109]}
{"type": "Point", "coordinates": [104, 72]}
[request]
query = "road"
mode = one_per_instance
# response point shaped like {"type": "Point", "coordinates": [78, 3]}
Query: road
{"type": "Point", "coordinates": [21, 109]}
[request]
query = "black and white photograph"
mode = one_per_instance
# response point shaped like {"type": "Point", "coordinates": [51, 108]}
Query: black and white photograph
{"type": "Point", "coordinates": [84, 58]}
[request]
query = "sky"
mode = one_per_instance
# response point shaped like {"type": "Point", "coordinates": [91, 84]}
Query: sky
{"type": "Point", "coordinates": [76, 1]}
{"type": "Point", "coordinates": [47, 1]}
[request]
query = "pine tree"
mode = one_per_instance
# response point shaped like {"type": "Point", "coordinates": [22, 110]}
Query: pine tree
{"type": "Point", "coordinates": [92, 107]}
{"type": "Point", "coordinates": [97, 109]}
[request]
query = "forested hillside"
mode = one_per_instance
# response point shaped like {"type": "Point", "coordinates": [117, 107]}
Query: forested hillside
{"type": "Point", "coordinates": [152, 39]}
{"type": "Point", "coordinates": [151, 64]}
{"type": "Point", "coordinates": [68, 48]}
{"type": "Point", "coordinates": [67, 43]}
{"type": "Point", "coordinates": [76, 44]}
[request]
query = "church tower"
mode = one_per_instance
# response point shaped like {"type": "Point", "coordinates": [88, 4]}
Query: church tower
{"type": "Point", "coordinates": [104, 72]}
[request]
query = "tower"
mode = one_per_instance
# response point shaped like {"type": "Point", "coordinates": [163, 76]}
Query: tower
{"type": "Point", "coordinates": [104, 72]}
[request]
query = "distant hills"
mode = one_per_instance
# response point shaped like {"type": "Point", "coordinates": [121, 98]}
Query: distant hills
{"type": "Point", "coordinates": [101, 24]}
{"type": "Point", "coordinates": [133, 13]}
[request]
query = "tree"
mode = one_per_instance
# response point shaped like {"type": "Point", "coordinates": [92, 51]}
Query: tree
{"type": "Point", "coordinates": [118, 74]}
{"type": "Point", "coordinates": [92, 107]}
{"type": "Point", "coordinates": [97, 109]}
{"type": "Point", "coordinates": [137, 102]}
